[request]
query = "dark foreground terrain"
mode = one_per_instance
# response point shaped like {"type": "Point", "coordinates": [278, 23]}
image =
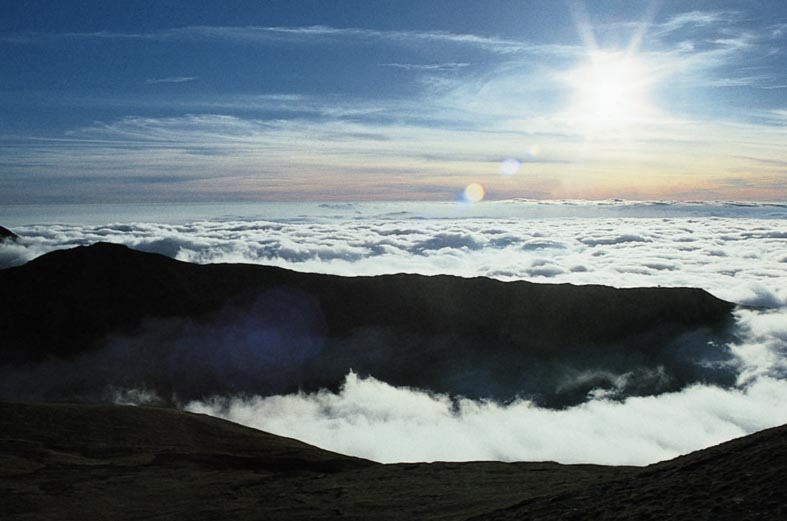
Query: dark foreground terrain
{"type": "Point", "coordinates": [75, 322]}
{"type": "Point", "coordinates": [62, 461]}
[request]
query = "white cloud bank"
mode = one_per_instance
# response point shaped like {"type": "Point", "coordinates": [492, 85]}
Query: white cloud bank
{"type": "Point", "coordinates": [372, 419]}
{"type": "Point", "coordinates": [736, 252]}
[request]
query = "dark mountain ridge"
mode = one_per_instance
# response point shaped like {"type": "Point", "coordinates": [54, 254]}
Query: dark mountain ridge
{"type": "Point", "coordinates": [475, 337]}
{"type": "Point", "coordinates": [7, 235]}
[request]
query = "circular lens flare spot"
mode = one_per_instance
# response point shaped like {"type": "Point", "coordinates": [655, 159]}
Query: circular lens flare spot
{"type": "Point", "coordinates": [509, 167]}
{"type": "Point", "coordinates": [474, 193]}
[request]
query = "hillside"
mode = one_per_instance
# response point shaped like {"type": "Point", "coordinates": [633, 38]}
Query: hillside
{"type": "Point", "coordinates": [118, 463]}
{"type": "Point", "coordinates": [115, 463]}
{"type": "Point", "coordinates": [743, 479]}
{"type": "Point", "coordinates": [247, 328]}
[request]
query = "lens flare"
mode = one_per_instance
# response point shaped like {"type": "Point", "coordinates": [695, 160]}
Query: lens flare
{"type": "Point", "coordinates": [509, 167]}
{"type": "Point", "coordinates": [474, 193]}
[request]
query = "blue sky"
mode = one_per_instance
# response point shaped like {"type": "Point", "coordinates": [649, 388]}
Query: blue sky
{"type": "Point", "coordinates": [245, 101]}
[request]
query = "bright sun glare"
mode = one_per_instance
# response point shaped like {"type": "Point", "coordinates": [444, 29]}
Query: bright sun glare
{"type": "Point", "coordinates": [610, 93]}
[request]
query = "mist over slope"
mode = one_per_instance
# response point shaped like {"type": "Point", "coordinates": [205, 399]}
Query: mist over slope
{"type": "Point", "coordinates": [111, 316]}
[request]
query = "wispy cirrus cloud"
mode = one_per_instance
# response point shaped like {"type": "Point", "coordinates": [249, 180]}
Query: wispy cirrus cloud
{"type": "Point", "coordinates": [684, 45]}
{"type": "Point", "coordinates": [459, 117]}
{"type": "Point", "coordinates": [695, 19]}
{"type": "Point", "coordinates": [448, 66]}
{"type": "Point", "coordinates": [280, 158]}
{"type": "Point", "coordinates": [778, 30]}
{"type": "Point", "coordinates": [171, 79]}
{"type": "Point", "coordinates": [715, 48]}
{"type": "Point", "coordinates": [779, 114]}
{"type": "Point", "coordinates": [305, 34]}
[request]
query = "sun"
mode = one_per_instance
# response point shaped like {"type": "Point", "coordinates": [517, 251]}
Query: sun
{"type": "Point", "coordinates": [610, 92]}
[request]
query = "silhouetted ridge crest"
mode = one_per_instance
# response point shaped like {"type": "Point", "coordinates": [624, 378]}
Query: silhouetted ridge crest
{"type": "Point", "coordinates": [6, 234]}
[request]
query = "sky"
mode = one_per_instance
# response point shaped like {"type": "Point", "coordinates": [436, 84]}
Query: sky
{"type": "Point", "coordinates": [181, 102]}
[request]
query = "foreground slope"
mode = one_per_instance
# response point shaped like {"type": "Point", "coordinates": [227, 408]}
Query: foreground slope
{"type": "Point", "coordinates": [271, 330]}
{"type": "Point", "coordinates": [117, 463]}
{"type": "Point", "coordinates": [743, 479]}
{"type": "Point", "coordinates": [113, 462]}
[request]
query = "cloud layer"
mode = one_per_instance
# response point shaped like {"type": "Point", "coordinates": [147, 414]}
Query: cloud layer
{"type": "Point", "coordinates": [371, 419]}
{"type": "Point", "coordinates": [736, 251]}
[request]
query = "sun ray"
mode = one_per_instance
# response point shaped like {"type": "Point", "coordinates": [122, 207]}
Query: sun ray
{"type": "Point", "coordinates": [610, 90]}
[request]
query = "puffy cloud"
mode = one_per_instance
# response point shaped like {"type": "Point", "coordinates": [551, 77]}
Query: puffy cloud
{"type": "Point", "coordinates": [371, 419]}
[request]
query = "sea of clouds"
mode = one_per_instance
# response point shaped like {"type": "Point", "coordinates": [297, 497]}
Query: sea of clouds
{"type": "Point", "coordinates": [735, 251]}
